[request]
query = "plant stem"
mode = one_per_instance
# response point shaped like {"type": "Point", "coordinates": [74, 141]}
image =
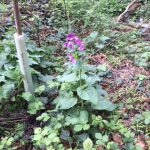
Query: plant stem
{"type": "Point", "coordinates": [80, 76]}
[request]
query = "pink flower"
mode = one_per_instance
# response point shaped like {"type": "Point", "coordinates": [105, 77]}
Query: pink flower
{"type": "Point", "coordinates": [78, 41]}
{"type": "Point", "coordinates": [71, 58]}
{"type": "Point", "coordinates": [71, 45]}
{"type": "Point", "coordinates": [81, 47]}
{"type": "Point", "coordinates": [65, 44]}
{"type": "Point", "coordinates": [73, 42]}
{"type": "Point", "coordinates": [70, 36]}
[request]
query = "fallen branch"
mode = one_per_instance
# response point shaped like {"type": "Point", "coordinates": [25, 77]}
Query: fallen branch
{"type": "Point", "coordinates": [129, 10]}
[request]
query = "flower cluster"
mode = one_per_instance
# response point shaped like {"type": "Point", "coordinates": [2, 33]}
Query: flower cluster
{"type": "Point", "coordinates": [73, 43]}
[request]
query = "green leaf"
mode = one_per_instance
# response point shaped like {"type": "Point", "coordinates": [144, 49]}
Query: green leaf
{"type": "Point", "coordinates": [65, 102]}
{"type": "Point", "coordinates": [98, 135]}
{"type": "Point", "coordinates": [37, 137]}
{"type": "Point", "coordinates": [100, 46]}
{"type": "Point", "coordinates": [52, 135]}
{"type": "Point", "coordinates": [68, 77]}
{"type": "Point", "coordinates": [147, 121]}
{"type": "Point", "coordinates": [101, 91]}
{"type": "Point", "coordinates": [89, 93]}
{"type": "Point", "coordinates": [102, 67]}
{"type": "Point", "coordinates": [85, 126]}
{"type": "Point", "coordinates": [37, 130]}
{"type": "Point", "coordinates": [92, 79]}
{"type": "Point", "coordinates": [27, 96]}
{"type": "Point", "coordinates": [88, 144]}
{"type": "Point", "coordinates": [45, 78]}
{"type": "Point", "coordinates": [112, 145]}
{"type": "Point", "coordinates": [9, 141]}
{"type": "Point", "coordinates": [104, 105]}
{"type": "Point", "coordinates": [139, 147]}
{"type": "Point", "coordinates": [104, 38]}
{"type": "Point", "coordinates": [78, 127]}
{"type": "Point", "coordinates": [141, 77]}
{"type": "Point", "coordinates": [3, 7]}
{"type": "Point", "coordinates": [40, 89]}
{"type": "Point", "coordinates": [94, 35]}
{"type": "Point", "coordinates": [2, 79]}
{"type": "Point", "coordinates": [84, 116]}
{"type": "Point", "coordinates": [45, 131]}
{"type": "Point", "coordinates": [71, 120]}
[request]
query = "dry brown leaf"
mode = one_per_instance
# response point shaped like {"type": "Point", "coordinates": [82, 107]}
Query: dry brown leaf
{"type": "Point", "coordinates": [99, 147]}
{"type": "Point", "coordinates": [117, 138]}
{"type": "Point", "coordinates": [122, 111]}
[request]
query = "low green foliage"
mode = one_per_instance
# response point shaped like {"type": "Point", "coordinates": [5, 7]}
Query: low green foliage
{"type": "Point", "coordinates": [71, 105]}
{"type": "Point", "coordinates": [6, 143]}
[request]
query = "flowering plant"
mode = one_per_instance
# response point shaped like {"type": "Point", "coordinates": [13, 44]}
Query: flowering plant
{"type": "Point", "coordinates": [75, 47]}
{"type": "Point", "coordinates": [78, 86]}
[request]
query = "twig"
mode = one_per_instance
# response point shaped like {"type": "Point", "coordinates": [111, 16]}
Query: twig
{"type": "Point", "coordinates": [5, 122]}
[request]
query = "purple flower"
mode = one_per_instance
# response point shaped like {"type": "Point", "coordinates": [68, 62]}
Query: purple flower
{"type": "Point", "coordinates": [71, 45]}
{"type": "Point", "coordinates": [81, 47]}
{"type": "Point", "coordinates": [65, 44]}
{"type": "Point", "coordinates": [71, 58]}
{"type": "Point", "coordinates": [78, 41]}
{"type": "Point", "coordinates": [70, 36]}
{"type": "Point", "coordinates": [73, 42]}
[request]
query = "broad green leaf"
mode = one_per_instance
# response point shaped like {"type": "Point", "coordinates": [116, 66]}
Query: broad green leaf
{"type": "Point", "coordinates": [104, 105]}
{"type": "Point", "coordinates": [68, 77]}
{"type": "Point", "coordinates": [88, 67]}
{"type": "Point", "coordinates": [92, 79]}
{"type": "Point", "coordinates": [78, 127]}
{"type": "Point", "coordinates": [84, 116]}
{"type": "Point", "coordinates": [71, 120]}
{"type": "Point", "coordinates": [101, 91]}
{"type": "Point", "coordinates": [89, 94]}
{"type": "Point", "coordinates": [45, 78]}
{"type": "Point", "coordinates": [65, 102]}
{"type": "Point", "coordinates": [98, 135]}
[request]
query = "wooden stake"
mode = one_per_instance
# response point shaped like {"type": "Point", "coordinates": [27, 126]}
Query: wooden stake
{"type": "Point", "coordinates": [22, 53]}
{"type": "Point", "coordinates": [16, 16]}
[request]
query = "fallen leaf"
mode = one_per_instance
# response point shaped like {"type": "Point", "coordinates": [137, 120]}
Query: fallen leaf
{"type": "Point", "coordinates": [117, 138]}
{"type": "Point", "coordinates": [99, 147]}
{"type": "Point", "coordinates": [122, 111]}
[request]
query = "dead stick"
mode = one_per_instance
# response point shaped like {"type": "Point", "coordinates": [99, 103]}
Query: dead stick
{"type": "Point", "coordinates": [16, 15]}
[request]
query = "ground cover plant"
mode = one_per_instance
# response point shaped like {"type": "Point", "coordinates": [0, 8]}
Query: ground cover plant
{"type": "Point", "coordinates": [90, 73]}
